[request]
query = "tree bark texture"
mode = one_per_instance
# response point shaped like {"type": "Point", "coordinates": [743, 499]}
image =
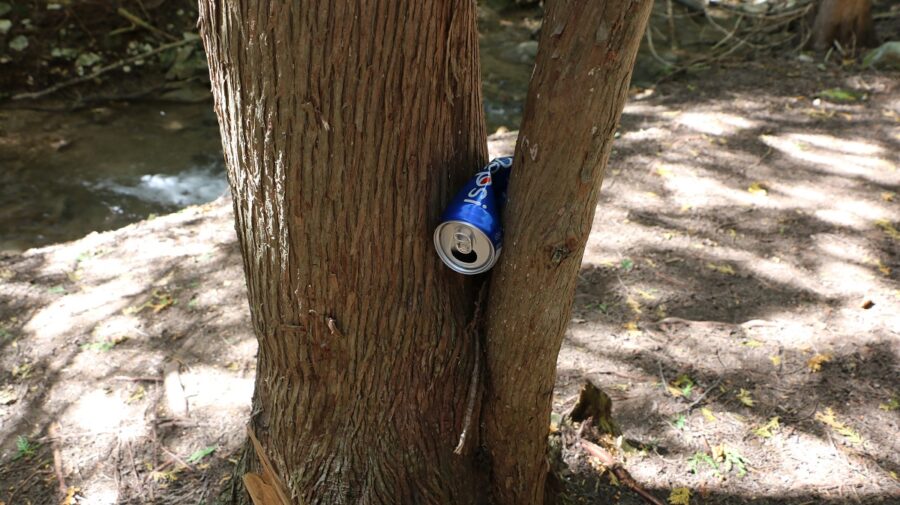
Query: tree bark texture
{"type": "Point", "coordinates": [577, 92]}
{"type": "Point", "coordinates": [849, 22]}
{"type": "Point", "coordinates": [347, 126]}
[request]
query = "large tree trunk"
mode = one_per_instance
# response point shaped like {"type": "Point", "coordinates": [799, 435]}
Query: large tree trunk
{"type": "Point", "coordinates": [583, 68]}
{"type": "Point", "coordinates": [848, 22]}
{"type": "Point", "coordinates": [346, 128]}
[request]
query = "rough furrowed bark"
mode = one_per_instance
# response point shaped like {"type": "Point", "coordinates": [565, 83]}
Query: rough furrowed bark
{"type": "Point", "coordinates": [347, 126]}
{"type": "Point", "coordinates": [584, 63]}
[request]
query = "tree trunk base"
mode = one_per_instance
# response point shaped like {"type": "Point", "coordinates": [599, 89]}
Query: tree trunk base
{"type": "Point", "coordinates": [847, 22]}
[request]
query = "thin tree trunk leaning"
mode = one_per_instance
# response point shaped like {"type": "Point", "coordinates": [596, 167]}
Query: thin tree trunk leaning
{"type": "Point", "coordinates": [581, 78]}
{"type": "Point", "coordinates": [848, 22]}
{"type": "Point", "coordinates": [347, 126]}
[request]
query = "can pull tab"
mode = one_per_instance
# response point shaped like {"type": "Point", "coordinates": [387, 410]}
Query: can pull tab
{"type": "Point", "coordinates": [464, 240]}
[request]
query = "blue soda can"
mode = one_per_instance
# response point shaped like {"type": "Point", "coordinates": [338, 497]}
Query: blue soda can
{"type": "Point", "coordinates": [470, 236]}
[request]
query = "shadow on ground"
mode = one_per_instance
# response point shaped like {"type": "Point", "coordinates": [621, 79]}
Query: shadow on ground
{"type": "Point", "coordinates": [742, 268]}
{"type": "Point", "coordinates": [742, 273]}
{"type": "Point", "coordinates": [129, 361]}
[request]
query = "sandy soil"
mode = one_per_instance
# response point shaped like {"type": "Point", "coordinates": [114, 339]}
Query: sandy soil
{"type": "Point", "coordinates": [743, 266]}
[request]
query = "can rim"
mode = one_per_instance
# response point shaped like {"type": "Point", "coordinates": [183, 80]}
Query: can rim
{"type": "Point", "coordinates": [450, 262]}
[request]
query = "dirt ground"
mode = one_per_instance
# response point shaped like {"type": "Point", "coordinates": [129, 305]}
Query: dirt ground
{"type": "Point", "coordinates": [739, 301]}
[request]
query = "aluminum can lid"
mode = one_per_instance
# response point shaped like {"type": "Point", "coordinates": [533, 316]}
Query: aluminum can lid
{"type": "Point", "coordinates": [465, 248]}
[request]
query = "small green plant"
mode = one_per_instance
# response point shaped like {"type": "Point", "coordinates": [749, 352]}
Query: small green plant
{"type": "Point", "coordinates": [103, 345]}
{"type": "Point", "coordinates": [768, 429]}
{"type": "Point", "coordinates": [199, 454]}
{"type": "Point", "coordinates": [722, 461]}
{"type": "Point", "coordinates": [734, 459]}
{"type": "Point", "coordinates": [685, 385]}
{"type": "Point", "coordinates": [601, 307]}
{"type": "Point", "coordinates": [24, 447]}
{"type": "Point", "coordinates": [892, 404]}
{"type": "Point", "coordinates": [841, 95]}
{"type": "Point", "coordinates": [23, 370]}
{"type": "Point", "coordinates": [680, 422]}
{"type": "Point", "coordinates": [98, 346]}
{"type": "Point", "coordinates": [699, 459]}
{"type": "Point", "coordinates": [627, 264]}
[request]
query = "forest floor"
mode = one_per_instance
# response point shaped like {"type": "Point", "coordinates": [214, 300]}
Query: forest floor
{"type": "Point", "coordinates": [739, 300]}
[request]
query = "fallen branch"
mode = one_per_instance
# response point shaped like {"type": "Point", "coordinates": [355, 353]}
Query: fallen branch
{"type": "Point", "coordinates": [470, 401]}
{"type": "Point", "coordinates": [138, 379]}
{"type": "Point", "coordinates": [175, 457]}
{"type": "Point", "coordinates": [622, 474]}
{"type": "Point", "coordinates": [53, 431]}
{"type": "Point", "coordinates": [473, 330]}
{"type": "Point", "coordinates": [755, 37]}
{"type": "Point", "coordinates": [701, 397]}
{"type": "Point", "coordinates": [101, 71]}
{"type": "Point", "coordinates": [122, 11]}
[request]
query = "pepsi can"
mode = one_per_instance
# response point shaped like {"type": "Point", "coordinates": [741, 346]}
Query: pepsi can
{"type": "Point", "coordinates": [470, 236]}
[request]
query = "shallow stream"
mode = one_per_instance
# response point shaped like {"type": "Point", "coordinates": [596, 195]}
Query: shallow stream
{"type": "Point", "coordinates": [64, 175]}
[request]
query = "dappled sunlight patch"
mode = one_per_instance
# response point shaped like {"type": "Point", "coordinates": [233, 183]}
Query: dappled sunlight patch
{"type": "Point", "coordinates": [99, 492]}
{"type": "Point", "coordinates": [245, 347]}
{"type": "Point", "coordinates": [715, 123]}
{"type": "Point", "coordinates": [719, 259]}
{"type": "Point", "coordinates": [208, 391]}
{"type": "Point", "coordinates": [845, 277]}
{"type": "Point", "coordinates": [57, 318]}
{"type": "Point", "coordinates": [102, 412]}
{"type": "Point", "coordinates": [835, 155]}
{"type": "Point", "coordinates": [160, 249]}
{"type": "Point", "coordinates": [641, 108]}
{"type": "Point", "coordinates": [775, 269]}
{"type": "Point", "coordinates": [847, 266]}
{"type": "Point", "coordinates": [858, 214]}
{"type": "Point", "coordinates": [645, 134]}
{"type": "Point", "coordinates": [698, 192]}
{"type": "Point", "coordinates": [815, 461]}
{"type": "Point", "coordinates": [89, 352]}
{"type": "Point", "coordinates": [836, 144]}
{"type": "Point", "coordinates": [806, 195]}
{"type": "Point", "coordinates": [582, 339]}
{"type": "Point", "coordinates": [771, 253]}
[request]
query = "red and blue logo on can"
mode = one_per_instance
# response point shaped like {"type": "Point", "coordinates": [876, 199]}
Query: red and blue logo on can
{"type": "Point", "coordinates": [470, 235]}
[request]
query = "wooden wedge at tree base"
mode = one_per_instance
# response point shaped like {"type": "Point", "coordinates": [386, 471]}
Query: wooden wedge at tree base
{"type": "Point", "coordinates": [265, 488]}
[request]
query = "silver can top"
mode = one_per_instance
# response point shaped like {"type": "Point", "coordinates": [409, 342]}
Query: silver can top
{"type": "Point", "coordinates": [464, 248]}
